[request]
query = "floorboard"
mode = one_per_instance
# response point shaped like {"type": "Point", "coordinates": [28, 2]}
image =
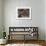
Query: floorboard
{"type": "Point", "coordinates": [28, 42]}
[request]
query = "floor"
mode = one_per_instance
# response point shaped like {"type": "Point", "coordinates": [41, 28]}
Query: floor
{"type": "Point", "coordinates": [21, 44]}
{"type": "Point", "coordinates": [25, 43]}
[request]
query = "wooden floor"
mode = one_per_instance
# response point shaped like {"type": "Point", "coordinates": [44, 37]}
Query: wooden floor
{"type": "Point", "coordinates": [40, 42]}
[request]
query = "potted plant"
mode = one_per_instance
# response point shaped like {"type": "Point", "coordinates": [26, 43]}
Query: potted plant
{"type": "Point", "coordinates": [2, 37]}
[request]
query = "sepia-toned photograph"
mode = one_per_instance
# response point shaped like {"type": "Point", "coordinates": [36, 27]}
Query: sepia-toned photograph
{"type": "Point", "coordinates": [23, 13]}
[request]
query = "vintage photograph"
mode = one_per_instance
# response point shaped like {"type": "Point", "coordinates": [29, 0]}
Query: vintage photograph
{"type": "Point", "coordinates": [23, 13]}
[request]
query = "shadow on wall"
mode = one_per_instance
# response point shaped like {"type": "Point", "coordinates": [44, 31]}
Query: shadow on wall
{"type": "Point", "coordinates": [1, 34]}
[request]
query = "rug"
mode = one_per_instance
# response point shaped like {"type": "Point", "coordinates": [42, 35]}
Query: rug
{"type": "Point", "coordinates": [23, 45]}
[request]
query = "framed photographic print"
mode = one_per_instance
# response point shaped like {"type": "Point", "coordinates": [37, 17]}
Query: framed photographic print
{"type": "Point", "coordinates": [23, 13]}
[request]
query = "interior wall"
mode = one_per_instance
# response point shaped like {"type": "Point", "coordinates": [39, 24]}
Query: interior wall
{"type": "Point", "coordinates": [37, 15]}
{"type": "Point", "coordinates": [0, 18]}
{"type": "Point", "coordinates": [10, 14]}
{"type": "Point", "coordinates": [45, 19]}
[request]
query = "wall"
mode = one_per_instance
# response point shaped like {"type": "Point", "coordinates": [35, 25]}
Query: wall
{"type": "Point", "coordinates": [10, 13]}
{"type": "Point", "coordinates": [37, 15]}
{"type": "Point", "coordinates": [45, 19]}
{"type": "Point", "coordinates": [0, 18]}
